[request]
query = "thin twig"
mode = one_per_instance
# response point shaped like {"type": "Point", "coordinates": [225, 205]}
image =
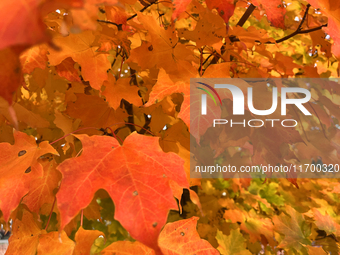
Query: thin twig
{"type": "Point", "coordinates": [146, 7]}
{"type": "Point", "coordinates": [304, 17]}
{"type": "Point", "coordinates": [120, 26]}
{"type": "Point", "coordinates": [298, 31]}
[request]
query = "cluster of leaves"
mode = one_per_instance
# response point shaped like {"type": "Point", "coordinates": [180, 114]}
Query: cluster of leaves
{"type": "Point", "coordinates": [98, 92]}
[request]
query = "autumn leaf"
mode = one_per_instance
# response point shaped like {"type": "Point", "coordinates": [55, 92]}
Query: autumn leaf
{"type": "Point", "coordinates": [35, 57]}
{"type": "Point", "coordinates": [115, 91]}
{"type": "Point", "coordinates": [225, 8]}
{"type": "Point", "coordinates": [10, 74]}
{"type": "Point", "coordinates": [102, 166]}
{"type": "Point", "coordinates": [26, 240]}
{"type": "Point", "coordinates": [181, 237]}
{"type": "Point", "coordinates": [42, 188]}
{"type": "Point", "coordinates": [165, 51]}
{"type": "Point", "coordinates": [232, 244]}
{"type": "Point", "coordinates": [95, 112]}
{"type": "Point", "coordinates": [326, 223]}
{"type": "Point", "coordinates": [332, 12]}
{"type": "Point", "coordinates": [55, 243]}
{"type": "Point", "coordinates": [84, 240]}
{"type": "Point", "coordinates": [179, 7]}
{"type": "Point", "coordinates": [107, 84]}
{"type": "Point", "coordinates": [165, 87]}
{"type": "Point", "coordinates": [292, 227]}
{"type": "Point", "coordinates": [125, 247]}
{"type": "Point", "coordinates": [67, 70]}
{"type": "Point", "coordinates": [94, 65]}
{"type": "Point", "coordinates": [21, 23]}
{"type": "Point", "coordinates": [18, 164]}
{"type": "Point", "coordinates": [275, 11]}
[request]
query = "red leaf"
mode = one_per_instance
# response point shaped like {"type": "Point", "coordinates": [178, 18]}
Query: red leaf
{"type": "Point", "coordinates": [225, 8]}
{"type": "Point", "coordinates": [10, 73]}
{"type": "Point", "coordinates": [42, 187]}
{"type": "Point", "coordinates": [18, 164]}
{"type": "Point", "coordinates": [34, 57]}
{"type": "Point", "coordinates": [136, 176]}
{"type": "Point", "coordinates": [180, 7]}
{"type": "Point", "coordinates": [275, 11]}
{"type": "Point", "coordinates": [66, 69]}
{"type": "Point", "coordinates": [21, 23]}
{"type": "Point", "coordinates": [332, 10]}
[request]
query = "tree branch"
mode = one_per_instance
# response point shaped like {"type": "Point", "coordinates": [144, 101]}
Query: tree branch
{"type": "Point", "coordinates": [296, 32]}
{"type": "Point", "coordinates": [300, 32]}
{"type": "Point", "coordinates": [304, 17]}
{"type": "Point", "coordinates": [120, 26]}
{"type": "Point", "coordinates": [246, 15]}
{"type": "Point", "coordinates": [146, 7]}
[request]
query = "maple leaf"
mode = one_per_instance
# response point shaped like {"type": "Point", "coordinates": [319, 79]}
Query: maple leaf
{"type": "Point", "coordinates": [275, 11]}
{"type": "Point", "coordinates": [225, 8]}
{"type": "Point", "coordinates": [35, 57]}
{"type": "Point", "coordinates": [95, 112]}
{"type": "Point", "coordinates": [42, 188]}
{"type": "Point", "coordinates": [209, 29]}
{"type": "Point", "coordinates": [181, 237]}
{"type": "Point", "coordinates": [271, 137]}
{"type": "Point", "coordinates": [116, 14]}
{"type": "Point", "coordinates": [84, 240]}
{"type": "Point", "coordinates": [232, 244]}
{"type": "Point", "coordinates": [54, 243]}
{"type": "Point", "coordinates": [125, 247]}
{"type": "Point", "coordinates": [10, 74]}
{"type": "Point", "coordinates": [66, 69]}
{"type": "Point", "coordinates": [25, 240]}
{"type": "Point", "coordinates": [332, 11]}
{"type": "Point", "coordinates": [139, 188]}
{"type": "Point", "coordinates": [23, 115]}
{"type": "Point", "coordinates": [326, 223]}
{"type": "Point", "coordinates": [179, 7]}
{"type": "Point", "coordinates": [292, 228]}
{"type": "Point", "coordinates": [115, 91]}
{"type": "Point", "coordinates": [18, 164]}
{"type": "Point", "coordinates": [19, 18]}
{"type": "Point", "coordinates": [316, 251]}
{"type": "Point", "coordinates": [165, 51]}
{"type": "Point", "coordinates": [94, 65]}
{"type": "Point", "coordinates": [165, 87]}
{"type": "Point", "coordinates": [63, 89]}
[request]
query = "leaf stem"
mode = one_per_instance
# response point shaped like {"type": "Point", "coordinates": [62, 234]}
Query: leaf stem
{"type": "Point", "coordinates": [81, 217]}
{"type": "Point", "coordinates": [116, 136]}
{"type": "Point", "coordinates": [72, 133]}
{"type": "Point", "coordinates": [49, 218]}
